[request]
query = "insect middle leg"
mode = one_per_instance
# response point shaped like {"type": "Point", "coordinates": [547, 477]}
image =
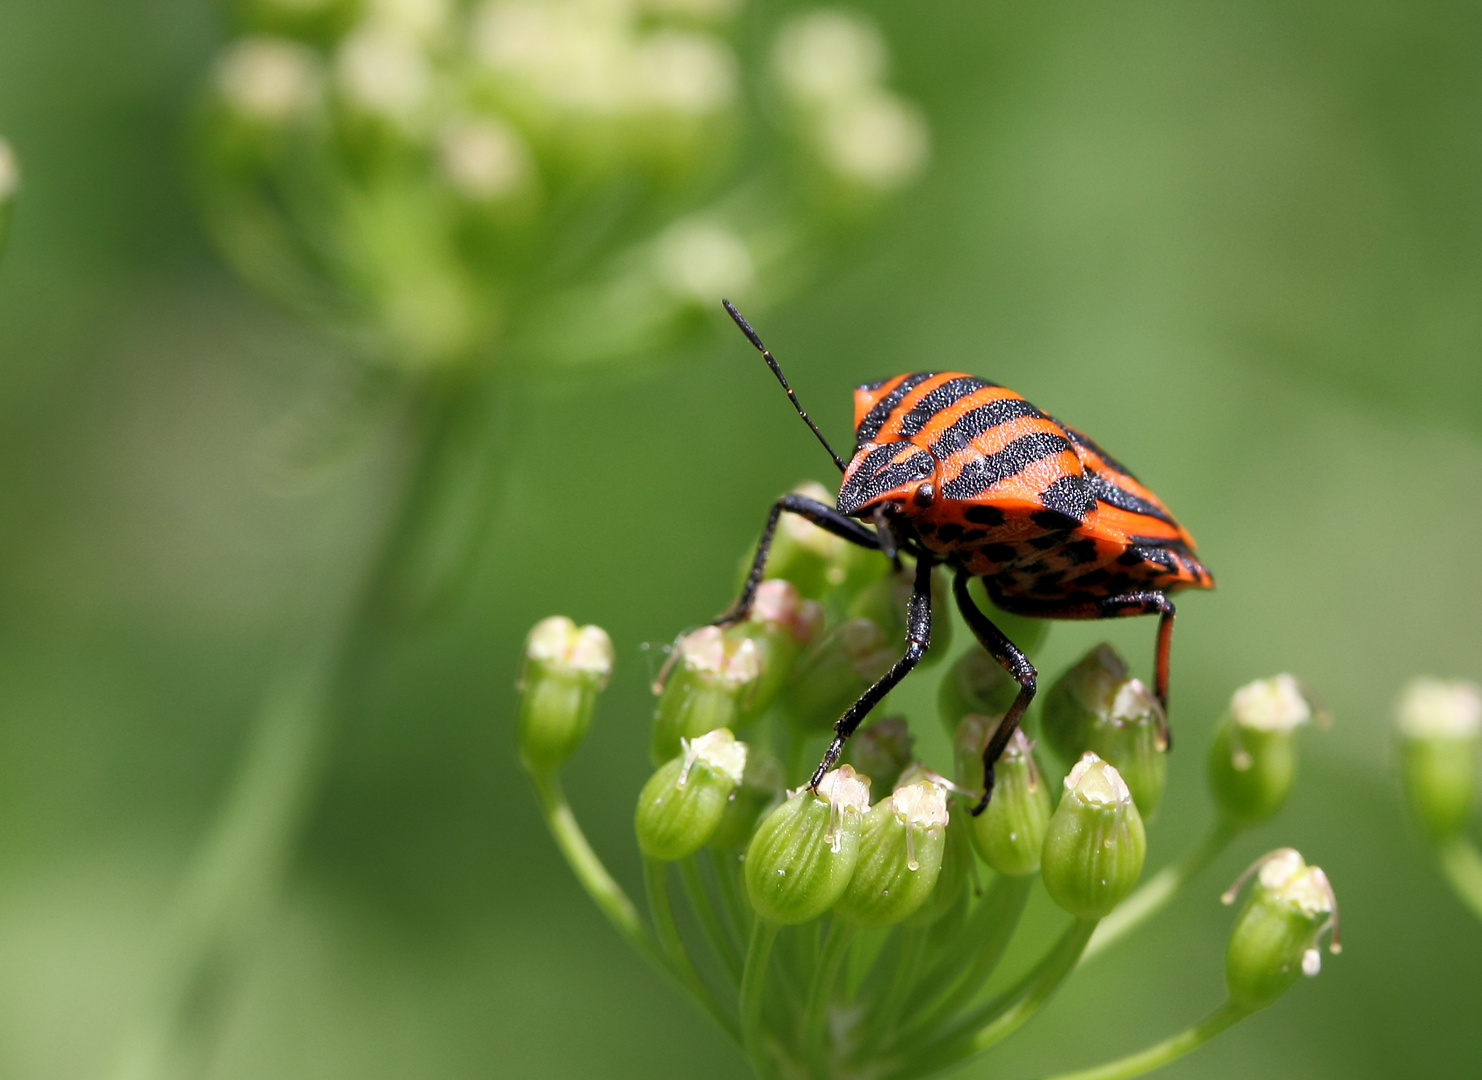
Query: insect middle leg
{"type": "Point", "coordinates": [918, 640]}
{"type": "Point", "coordinates": [1011, 660]}
{"type": "Point", "coordinates": [825, 517]}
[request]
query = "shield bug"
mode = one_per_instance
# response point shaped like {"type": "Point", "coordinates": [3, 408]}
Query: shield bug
{"type": "Point", "coordinates": [952, 469]}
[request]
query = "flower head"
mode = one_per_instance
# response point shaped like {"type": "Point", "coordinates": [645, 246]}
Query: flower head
{"type": "Point", "coordinates": [565, 668]}
{"type": "Point", "coordinates": [1095, 845]}
{"type": "Point", "coordinates": [1439, 729]}
{"type": "Point", "coordinates": [804, 852]}
{"type": "Point", "coordinates": [711, 680]}
{"type": "Point", "coordinates": [682, 804]}
{"type": "Point", "coordinates": [1252, 763]}
{"type": "Point", "coordinates": [1275, 939]}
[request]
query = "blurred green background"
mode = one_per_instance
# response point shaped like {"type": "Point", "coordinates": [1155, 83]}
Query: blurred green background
{"type": "Point", "coordinates": [1240, 244]}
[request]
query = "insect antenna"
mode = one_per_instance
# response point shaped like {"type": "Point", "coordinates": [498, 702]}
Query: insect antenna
{"type": "Point", "coordinates": [777, 370]}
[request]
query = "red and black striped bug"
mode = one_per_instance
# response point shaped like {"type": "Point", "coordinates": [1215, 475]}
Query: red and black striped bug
{"type": "Point", "coordinates": [952, 469]}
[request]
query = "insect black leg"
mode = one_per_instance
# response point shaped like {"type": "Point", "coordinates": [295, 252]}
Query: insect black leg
{"type": "Point", "coordinates": [825, 517]}
{"type": "Point", "coordinates": [888, 545]}
{"type": "Point", "coordinates": [1118, 606]}
{"type": "Point", "coordinates": [1146, 603]}
{"type": "Point", "coordinates": [1011, 660]}
{"type": "Point", "coordinates": [918, 640]}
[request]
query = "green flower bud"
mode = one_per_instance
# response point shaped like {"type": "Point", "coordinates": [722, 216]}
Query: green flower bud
{"type": "Point", "coordinates": [833, 672]}
{"type": "Point", "coordinates": [762, 788]}
{"type": "Point", "coordinates": [10, 181]}
{"type": "Point", "coordinates": [565, 668]}
{"type": "Point", "coordinates": [780, 625]}
{"type": "Point", "coordinates": [709, 686]}
{"type": "Point", "coordinates": [804, 852]}
{"type": "Point", "coordinates": [1095, 845]}
{"type": "Point", "coordinates": [1078, 699]}
{"type": "Point", "coordinates": [1275, 938]}
{"type": "Point", "coordinates": [957, 855]}
{"type": "Point", "coordinates": [818, 562]}
{"type": "Point", "coordinates": [682, 804]}
{"type": "Point", "coordinates": [1010, 834]}
{"type": "Point", "coordinates": [1131, 736]}
{"type": "Point", "coordinates": [883, 750]}
{"type": "Point", "coordinates": [1439, 727]}
{"type": "Point", "coordinates": [1253, 762]}
{"type": "Point", "coordinates": [902, 840]}
{"type": "Point", "coordinates": [975, 684]}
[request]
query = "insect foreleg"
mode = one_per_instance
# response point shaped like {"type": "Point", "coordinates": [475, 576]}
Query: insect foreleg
{"type": "Point", "coordinates": [1011, 660]}
{"type": "Point", "coordinates": [825, 517]}
{"type": "Point", "coordinates": [918, 640]}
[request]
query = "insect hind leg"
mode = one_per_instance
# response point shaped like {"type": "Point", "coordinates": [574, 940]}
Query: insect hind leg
{"type": "Point", "coordinates": [1117, 606]}
{"type": "Point", "coordinates": [1012, 660]}
{"type": "Point", "coordinates": [825, 517]}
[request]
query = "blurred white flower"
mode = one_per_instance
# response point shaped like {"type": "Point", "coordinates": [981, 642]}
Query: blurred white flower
{"type": "Point", "coordinates": [697, 9]}
{"type": "Point", "coordinates": [484, 158]}
{"type": "Point", "coordinates": [297, 7]}
{"type": "Point", "coordinates": [878, 141]}
{"type": "Point", "coordinates": [267, 78]}
{"type": "Point", "coordinates": [586, 55]}
{"type": "Point", "coordinates": [701, 261]}
{"type": "Point", "coordinates": [828, 57]}
{"type": "Point", "coordinates": [419, 19]}
{"type": "Point", "coordinates": [382, 71]}
{"type": "Point", "coordinates": [686, 73]}
{"type": "Point", "coordinates": [570, 54]}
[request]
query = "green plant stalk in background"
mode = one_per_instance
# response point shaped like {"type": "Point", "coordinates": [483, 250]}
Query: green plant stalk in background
{"type": "Point", "coordinates": [865, 944]}
{"type": "Point", "coordinates": [1462, 865]}
{"type": "Point", "coordinates": [463, 214]}
{"type": "Point", "coordinates": [237, 873]}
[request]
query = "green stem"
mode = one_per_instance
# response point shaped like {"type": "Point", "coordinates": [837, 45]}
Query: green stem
{"type": "Point", "coordinates": [753, 994]}
{"type": "Point", "coordinates": [898, 992]}
{"type": "Point", "coordinates": [605, 892]}
{"type": "Point", "coordinates": [656, 879]}
{"type": "Point", "coordinates": [238, 870]}
{"type": "Point", "coordinates": [1155, 1057]}
{"type": "Point", "coordinates": [990, 929]}
{"type": "Point", "coordinates": [1462, 865]}
{"type": "Point", "coordinates": [836, 947]}
{"type": "Point", "coordinates": [716, 935]}
{"type": "Point", "coordinates": [1032, 992]}
{"type": "Point", "coordinates": [736, 909]}
{"type": "Point", "coordinates": [1153, 895]}
{"type": "Point", "coordinates": [1001, 1017]}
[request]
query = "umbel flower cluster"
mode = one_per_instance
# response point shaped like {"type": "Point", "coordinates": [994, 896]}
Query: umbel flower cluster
{"type": "Point", "coordinates": [442, 180]}
{"type": "Point", "coordinates": [859, 929]}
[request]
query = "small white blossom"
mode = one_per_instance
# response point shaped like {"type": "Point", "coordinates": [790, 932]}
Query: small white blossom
{"type": "Point", "coordinates": [268, 78]}
{"type": "Point", "coordinates": [484, 158]}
